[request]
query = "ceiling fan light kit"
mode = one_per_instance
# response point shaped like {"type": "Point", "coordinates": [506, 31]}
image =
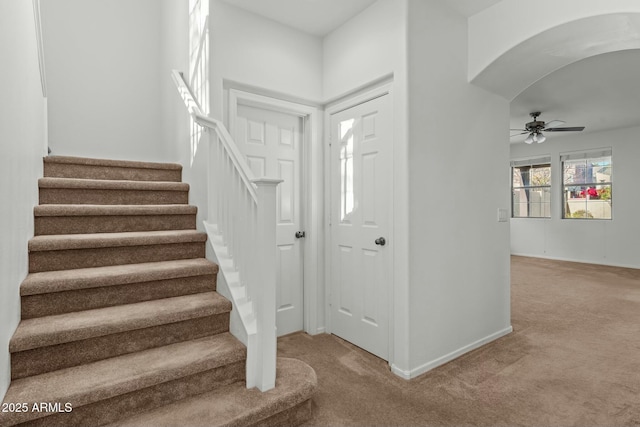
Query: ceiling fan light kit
{"type": "Point", "coordinates": [535, 128]}
{"type": "Point", "coordinates": [535, 137]}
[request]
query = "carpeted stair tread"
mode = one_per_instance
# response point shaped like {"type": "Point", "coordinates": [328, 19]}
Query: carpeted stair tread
{"type": "Point", "coordinates": [113, 163]}
{"type": "Point", "coordinates": [85, 278]}
{"type": "Point", "coordinates": [50, 219]}
{"type": "Point", "coordinates": [110, 240]}
{"type": "Point", "coordinates": [112, 210]}
{"type": "Point", "coordinates": [68, 327]}
{"type": "Point", "coordinates": [85, 384]}
{"type": "Point", "coordinates": [106, 184]}
{"type": "Point", "coordinates": [234, 404]}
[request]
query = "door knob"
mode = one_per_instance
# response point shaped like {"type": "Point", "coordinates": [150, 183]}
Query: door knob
{"type": "Point", "coordinates": [381, 241]}
{"type": "Point", "coordinates": [300, 234]}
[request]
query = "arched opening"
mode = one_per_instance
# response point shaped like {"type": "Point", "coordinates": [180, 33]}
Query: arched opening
{"type": "Point", "coordinates": [528, 61]}
{"type": "Point", "coordinates": [521, 74]}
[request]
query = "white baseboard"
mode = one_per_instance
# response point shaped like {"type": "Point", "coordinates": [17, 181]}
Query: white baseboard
{"type": "Point", "coordinates": [426, 367]}
{"type": "Point", "coordinates": [401, 372]}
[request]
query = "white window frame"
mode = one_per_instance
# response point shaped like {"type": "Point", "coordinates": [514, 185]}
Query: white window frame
{"type": "Point", "coordinates": [583, 155]}
{"type": "Point", "coordinates": [531, 162]}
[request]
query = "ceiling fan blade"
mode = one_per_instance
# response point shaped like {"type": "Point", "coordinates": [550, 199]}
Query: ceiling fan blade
{"type": "Point", "coordinates": [568, 129]}
{"type": "Point", "coordinates": [521, 130]}
{"type": "Point", "coordinates": [517, 134]}
{"type": "Point", "coordinates": [554, 123]}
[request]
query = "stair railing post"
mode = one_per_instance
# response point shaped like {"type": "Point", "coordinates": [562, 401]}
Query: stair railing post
{"type": "Point", "coordinates": [265, 298]}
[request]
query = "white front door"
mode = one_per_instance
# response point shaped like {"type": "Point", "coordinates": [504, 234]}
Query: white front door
{"type": "Point", "coordinates": [272, 144]}
{"type": "Point", "coordinates": [361, 195]}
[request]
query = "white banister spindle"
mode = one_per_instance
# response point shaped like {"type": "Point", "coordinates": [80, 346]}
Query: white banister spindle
{"type": "Point", "coordinates": [265, 298]}
{"type": "Point", "coordinates": [244, 238]}
{"type": "Point", "coordinates": [247, 206]}
{"type": "Point", "coordinates": [237, 223]}
{"type": "Point", "coordinates": [219, 182]}
{"type": "Point", "coordinates": [228, 234]}
{"type": "Point", "coordinates": [212, 174]}
{"type": "Point", "coordinates": [252, 250]}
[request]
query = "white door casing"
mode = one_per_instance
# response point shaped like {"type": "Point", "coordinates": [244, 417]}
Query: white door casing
{"type": "Point", "coordinates": [271, 142]}
{"type": "Point", "coordinates": [361, 165]}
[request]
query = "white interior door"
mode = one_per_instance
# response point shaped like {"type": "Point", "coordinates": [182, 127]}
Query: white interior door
{"type": "Point", "coordinates": [272, 144]}
{"type": "Point", "coordinates": [361, 167]}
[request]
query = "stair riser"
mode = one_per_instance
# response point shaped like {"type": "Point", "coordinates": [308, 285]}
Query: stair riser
{"type": "Point", "coordinates": [100, 257]}
{"type": "Point", "coordinates": [109, 296]}
{"type": "Point", "coordinates": [294, 416]}
{"type": "Point", "coordinates": [77, 196]}
{"type": "Point", "coordinates": [69, 170]}
{"type": "Point", "coordinates": [119, 407]}
{"type": "Point", "coordinates": [50, 225]}
{"type": "Point", "coordinates": [47, 359]}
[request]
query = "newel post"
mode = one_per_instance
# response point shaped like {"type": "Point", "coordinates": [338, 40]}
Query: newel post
{"type": "Point", "coordinates": [265, 298]}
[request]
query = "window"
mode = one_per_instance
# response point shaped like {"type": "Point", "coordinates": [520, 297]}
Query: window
{"type": "Point", "coordinates": [587, 181]}
{"type": "Point", "coordinates": [531, 188]}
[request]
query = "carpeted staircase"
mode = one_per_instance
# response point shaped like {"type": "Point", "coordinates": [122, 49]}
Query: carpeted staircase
{"type": "Point", "coordinates": [121, 324]}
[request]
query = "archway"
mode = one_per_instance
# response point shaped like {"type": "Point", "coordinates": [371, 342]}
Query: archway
{"type": "Point", "coordinates": [520, 57]}
{"type": "Point", "coordinates": [510, 70]}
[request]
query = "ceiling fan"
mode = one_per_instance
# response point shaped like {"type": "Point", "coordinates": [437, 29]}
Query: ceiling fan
{"type": "Point", "coordinates": [535, 128]}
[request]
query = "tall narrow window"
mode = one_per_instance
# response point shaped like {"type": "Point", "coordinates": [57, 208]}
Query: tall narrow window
{"type": "Point", "coordinates": [198, 65]}
{"type": "Point", "coordinates": [531, 188]}
{"type": "Point", "coordinates": [587, 184]}
{"type": "Point", "coordinates": [346, 168]}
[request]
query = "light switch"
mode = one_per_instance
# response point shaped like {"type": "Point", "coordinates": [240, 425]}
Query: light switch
{"type": "Point", "coordinates": [503, 215]}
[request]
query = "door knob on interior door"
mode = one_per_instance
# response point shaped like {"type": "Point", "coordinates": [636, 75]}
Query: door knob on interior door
{"type": "Point", "coordinates": [300, 234]}
{"type": "Point", "coordinates": [381, 241]}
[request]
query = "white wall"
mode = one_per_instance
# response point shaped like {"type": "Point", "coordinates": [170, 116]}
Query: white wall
{"type": "Point", "coordinates": [459, 253]}
{"type": "Point", "coordinates": [103, 66]}
{"type": "Point", "coordinates": [611, 242]}
{"type": "Point", "coordinates": [22, 138]}
{"type": "Point", "coordinates": [251, 50]}
{"type": "Point", "coordinates": [174, 37]}
{"type": "Point", "coordinates": [370, 46]}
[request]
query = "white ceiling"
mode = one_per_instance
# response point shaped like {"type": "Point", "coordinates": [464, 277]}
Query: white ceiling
{"type": "Point", "coordinates": [601, 92]}
{"type": "Point", "coordinates": [320, 17]}
{"type": "Point", "coordinates": [471, 7]}
{"type": "Point", "coordinates": [316, 17]}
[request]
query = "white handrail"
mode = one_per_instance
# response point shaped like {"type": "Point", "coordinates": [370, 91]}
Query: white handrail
{"type": "Point", "coordinates": [203, 120]}
{"type": "Point", "coordinates": [242, 231]}
{"type": "Point", "coordinates": [238, 159]}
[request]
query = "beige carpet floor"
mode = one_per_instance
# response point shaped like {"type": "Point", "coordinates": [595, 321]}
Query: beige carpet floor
{"type": "Point", "coordinates": [572, 360]}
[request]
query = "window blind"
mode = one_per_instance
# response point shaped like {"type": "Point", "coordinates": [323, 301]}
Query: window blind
{"type": "Point", "coordinates": [605, 152]}
{"type": "Point", "coordinates": [531, 162]}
